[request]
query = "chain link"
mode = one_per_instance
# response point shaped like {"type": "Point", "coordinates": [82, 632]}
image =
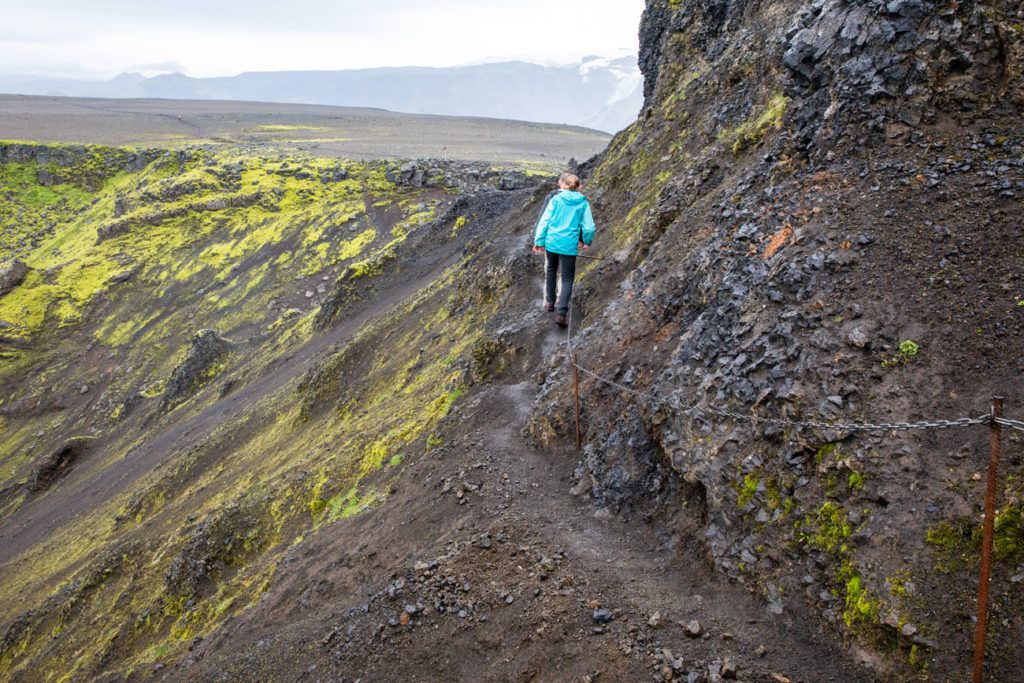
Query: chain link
{"type": "Point", "coordinates": [817, 424]}
{"type": "Point", "coordinates": [1012, 424]}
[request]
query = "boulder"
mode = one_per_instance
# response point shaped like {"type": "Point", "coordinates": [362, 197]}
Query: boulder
{"type": "Point", "coordinates": [49, 468]}
{"type": "Point", "coordinates": [12, 274]}
{"type": "Point", "coordinates": [200, 366]}
{"type": "Point", "coordinates": [513, 180]}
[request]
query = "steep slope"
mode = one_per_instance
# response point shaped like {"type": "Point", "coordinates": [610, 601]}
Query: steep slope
{"type": "Point", "coordinates": [155, 461]}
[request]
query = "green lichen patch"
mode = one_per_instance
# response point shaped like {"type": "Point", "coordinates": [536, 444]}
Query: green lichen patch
{"type": "Point", "coordinates": [828, 529]}
{"type": "Point", "coordinates": [956, 543]}
{"type": "Point", "coordinates": [752, 131]}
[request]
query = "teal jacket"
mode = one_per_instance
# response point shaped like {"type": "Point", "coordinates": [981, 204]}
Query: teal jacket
{"type": "Point", "coordinates": [566, 221]}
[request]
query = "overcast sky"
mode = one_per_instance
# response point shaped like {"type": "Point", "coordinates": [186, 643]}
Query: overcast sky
{"type": "Point", "coordinates": [101, 38]}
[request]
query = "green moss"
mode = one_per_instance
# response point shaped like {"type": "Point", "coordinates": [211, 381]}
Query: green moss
{"type": "Point", "coordinates": [155, 389]}
{"type": "Point", "coordinates": [459, 224]}
{"type": "Point", "coordinates": [491, 358]}
{"type": "Point", "coordinates": [856, 481]}
{"type": "Point", "coordinates": [326, 254]}
{"type": "Point", "coordinates": [752, 131]}
{"type": "Point", "coordinates": [898, 584]}
{"type": "Point", "coordinates": [748, 488]}
{"type": "Point", "coordinates": [860, 606]}
{"type": "Point", "coordinates": [952, 545]}
{"type": "Point", "coordinates": [1008, 536]}
{"type": "Point", "coordinates": [826, 453]}
{"type": "Point", "coordinates": [416, 216]}
{"type": "Point", "coordinates": [317, 503]}
{"type": "Point", "coordinates": [830, 528]}
{"type": "Point", "coordinates": [773, 495]}
{"type": "Point", "coordinates": [350, 503]}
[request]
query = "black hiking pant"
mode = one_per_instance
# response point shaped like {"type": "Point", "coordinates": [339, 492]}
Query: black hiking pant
{"type": "Point", "coordinates": [568, 266]}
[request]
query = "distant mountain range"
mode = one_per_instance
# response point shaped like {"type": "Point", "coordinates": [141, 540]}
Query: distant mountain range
{"type": "Point", "coordinates": [600, 93]}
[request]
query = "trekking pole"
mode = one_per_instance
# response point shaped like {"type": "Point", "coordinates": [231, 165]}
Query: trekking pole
{"type": "Point", "coordinates": [986, 540]}
{"type": "Point", "coordinates": [576, 385]}
{"type": "Point", "coordinates": [575, 377]}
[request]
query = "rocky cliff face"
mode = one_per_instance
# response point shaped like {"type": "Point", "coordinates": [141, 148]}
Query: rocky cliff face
{"type": "Point", "coordinates": [813, 221]}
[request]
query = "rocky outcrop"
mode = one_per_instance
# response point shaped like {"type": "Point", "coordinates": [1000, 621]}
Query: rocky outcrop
{"type": "Point", "coordinates": [654, 24]}
{"type": "Point", "coordinates": [906, 61]}
{"type": "Point", "coordinates": [437, 173]}
{"type": "Point", "coordinates": [128, 223]}
{"type": "Point", "coordinates": [846, 62]}
{"type": "Point", "coordinates": [51, 467]}
{"type": "Point", "coordinates": [85, 165]}
{"type": "Point", "coordinates": [12, 274]}
{"type": "Point", "coordinates": [202, 363]}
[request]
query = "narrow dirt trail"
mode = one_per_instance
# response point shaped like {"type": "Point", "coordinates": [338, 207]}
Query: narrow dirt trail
{"type": "Point", "coordinates": [520, 566]}
{"type": "Point", "coordinates": [630, 570]}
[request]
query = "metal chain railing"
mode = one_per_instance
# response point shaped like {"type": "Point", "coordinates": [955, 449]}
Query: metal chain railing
{"type": "Point", "coordinates": [815, 424]}
{"type": "Point", "coordinates": [956, 423]}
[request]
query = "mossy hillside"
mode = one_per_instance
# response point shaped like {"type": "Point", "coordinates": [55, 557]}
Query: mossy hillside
{"type": "Point", "coordinates": [144, 291]}
{"type": "Point", "coordinates": [182, 226]}
{"type": "Point", "coordinates": [400, 400]}
{"type": "Point", "coordinates": [260, 485]}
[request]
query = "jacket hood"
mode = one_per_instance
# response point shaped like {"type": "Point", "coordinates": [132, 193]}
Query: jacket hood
{"type": "Point", "coordinates": [571, 197]}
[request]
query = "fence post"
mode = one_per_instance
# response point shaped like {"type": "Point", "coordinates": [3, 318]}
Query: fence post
{"type": "Point", "coordinates": [986, 541]}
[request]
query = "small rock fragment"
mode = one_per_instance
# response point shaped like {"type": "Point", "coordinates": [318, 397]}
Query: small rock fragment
{"type": "Point", "coordinates": [858, 338]}
{"type": "Point", "coordinates": [728, 669]}
{"type": "Point", "coordinates": [693, 628]}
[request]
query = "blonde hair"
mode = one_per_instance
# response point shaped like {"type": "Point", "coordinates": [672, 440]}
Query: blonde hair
{"type": "Point", "coordinates": [571, 181]}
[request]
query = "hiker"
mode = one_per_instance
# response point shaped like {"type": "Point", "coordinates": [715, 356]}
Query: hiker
{"type": "Point", "coordinates": [565, 227]}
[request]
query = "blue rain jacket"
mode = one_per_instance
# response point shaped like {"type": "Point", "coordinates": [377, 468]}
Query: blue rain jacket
{"type": "Point", "coordinates": [566, 221]}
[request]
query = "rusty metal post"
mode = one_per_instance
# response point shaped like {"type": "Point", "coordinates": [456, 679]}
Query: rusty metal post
{"type": "Point", "coordinates": [986, 541]}
{"type": "Point", "coordinates": [576, 386]}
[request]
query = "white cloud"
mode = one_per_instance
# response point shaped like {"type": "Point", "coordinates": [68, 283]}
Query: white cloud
{"type": "Point", "coordinates": [104, 37]}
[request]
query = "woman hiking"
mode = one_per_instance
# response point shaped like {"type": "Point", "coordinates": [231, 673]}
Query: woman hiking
{"type": "Point", "coordinates": [565, 226]}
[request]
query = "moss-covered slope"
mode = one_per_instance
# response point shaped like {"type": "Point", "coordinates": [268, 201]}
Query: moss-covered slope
{"type": "Point", "coordinates": [172, 418]}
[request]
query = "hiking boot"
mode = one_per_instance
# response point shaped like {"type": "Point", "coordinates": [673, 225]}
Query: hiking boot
{"type": "Point", "coordinates": [549, 306]}
{"type": "Point", "coordinates": [560, 321]}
